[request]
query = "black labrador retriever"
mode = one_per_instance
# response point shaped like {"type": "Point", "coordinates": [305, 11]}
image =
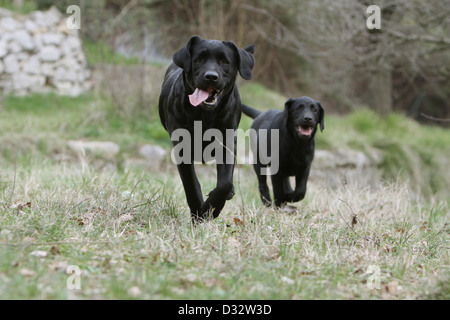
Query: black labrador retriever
{"type": "Point", "coordinates": [200, 88]}
{"type": "Point", "coordinates": [297, 126]}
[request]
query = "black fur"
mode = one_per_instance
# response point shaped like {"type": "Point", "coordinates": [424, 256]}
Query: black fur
{"type": "Point", "coordinates": [207, 65]}
{"type": "Point", "coordinates": [296, 150]}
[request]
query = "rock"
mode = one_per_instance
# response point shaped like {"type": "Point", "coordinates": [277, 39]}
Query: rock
{"type": "Point", "coordinates": [39, 54]}
{"type": "Point", "coordinates": [48, 69]}
{"type": "Point", "coordinates": [68, 88]}
{"type": "Point", "coordinates": [104, 148]}
{"type": "Point", "coordinates": [24, 39]}
{"type": "Point", "coordinates": [339, 167]}
{"type": "Point", "coordinates": [32, 65]}
{"type": "Point", "coordinates": [52, 38]}
{"type": "Point", "coordinates": [14, 47]}
{"type": "Point", "coordinates": [23, 81]}
{"type": "Point", "coordinates": [153, 158]}
{"type": "Point", "coordinates": [11, 64]}
{"type": "Point", "coordinates": [5, 13]}
{"type": "Point", "coordinates": [31, 26]}
{"type": "Point", "coordinates": [66, 74]}
{"type": "Point", "coordinates": [9, 24]}
{"type": "Point", "coordinates": [49, 54]}
{"type": "Point", "coordinates": [3, 50]}
{"type": "Point", "coordinates": [47, 18]}
{"type": "Point", "coordinates": [152, 152]}
{"type": "Point", "coordinates": [341, 159]}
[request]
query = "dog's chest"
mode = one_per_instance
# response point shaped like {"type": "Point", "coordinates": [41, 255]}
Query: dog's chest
{"type": "Point", "coordinates": [296, 162]}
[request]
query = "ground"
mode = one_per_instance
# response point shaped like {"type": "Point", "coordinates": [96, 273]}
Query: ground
{"type": "Point", "coordinates": [84, 227]}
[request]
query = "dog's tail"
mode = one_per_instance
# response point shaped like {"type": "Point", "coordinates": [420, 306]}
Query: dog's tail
{"type": "Point", "coordinates": [249, 111]}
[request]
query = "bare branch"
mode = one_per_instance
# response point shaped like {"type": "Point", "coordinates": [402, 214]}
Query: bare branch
{"type": "Point", "coordinates": [415, 37]}
{"type": "Point", "coordinates": [434, 118]}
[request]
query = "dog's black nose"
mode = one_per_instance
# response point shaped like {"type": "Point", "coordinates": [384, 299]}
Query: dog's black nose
{"type": "Point", "coordinates": [308, 119]}
{"type": "Point", "coordinates": [211, 76]}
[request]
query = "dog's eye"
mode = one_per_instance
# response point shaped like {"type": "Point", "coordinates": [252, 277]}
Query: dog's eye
{"type": "Point", "coordinates": [198, 60]}
{"type": "Point", "coordinates": [224, 61]}
{"type": "Point", "coordinates": [313, 108]}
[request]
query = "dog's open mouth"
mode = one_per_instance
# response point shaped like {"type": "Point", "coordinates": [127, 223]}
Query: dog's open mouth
{"type": "Point", "coordinates": [305, 130]}
{"type": "Point", "coordinates": [208, 97]}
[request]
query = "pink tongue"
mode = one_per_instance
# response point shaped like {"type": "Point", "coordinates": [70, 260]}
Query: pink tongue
{"type": "Point", "coordinates": [198, 97]}
{"type": "Point", "coordinates": [305, 130]}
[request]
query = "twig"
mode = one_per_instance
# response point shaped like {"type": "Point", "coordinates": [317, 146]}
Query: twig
{"type": "Point", "coordinates": [354, 216]}
{"type": "Point", "coordinates": [422, 38]}
{"type": "Point", "coordinates": [348, 206]}
{"type": "Point", "coordinates": [123, 12]}
{"type": "Point", "coordinates": [350, 227]}
{"type": "Point", "coordinates": [434, 118]}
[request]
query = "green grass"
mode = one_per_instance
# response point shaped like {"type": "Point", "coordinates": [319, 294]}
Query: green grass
{"type": "Point", "coordinates": [415, 153]}
{"type": "Point", "coordinates": [100, 52]}
{"type": "Point", "coordinates": [129, 230]}
{"type": "Point", "coordinates": [26, 8]}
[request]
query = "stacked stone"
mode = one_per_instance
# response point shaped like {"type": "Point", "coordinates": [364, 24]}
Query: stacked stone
{"type": "Point", "coordinates": [39, 53]}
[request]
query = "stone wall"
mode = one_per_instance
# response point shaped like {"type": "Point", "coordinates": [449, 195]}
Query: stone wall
{"type": "Point", "coordinates": [38, 53]}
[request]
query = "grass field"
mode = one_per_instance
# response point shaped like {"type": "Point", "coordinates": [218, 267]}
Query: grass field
{"type": "Point", "coordinates": [126, 233]}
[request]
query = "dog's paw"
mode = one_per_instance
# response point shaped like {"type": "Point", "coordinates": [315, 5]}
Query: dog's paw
{"type": "Point", "coordinates": [230, 195]}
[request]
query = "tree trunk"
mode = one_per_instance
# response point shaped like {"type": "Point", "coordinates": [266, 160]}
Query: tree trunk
{"type": "Point", "coordinates": [379, 91]}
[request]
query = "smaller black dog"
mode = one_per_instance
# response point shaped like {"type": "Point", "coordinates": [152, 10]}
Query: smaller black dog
{"type": "Point", "coordinates": [297, 126]}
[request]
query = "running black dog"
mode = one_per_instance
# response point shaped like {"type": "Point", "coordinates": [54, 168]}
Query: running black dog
{"type": "Point", "coordinates": [199, 86]}
{"type": "Point", "coordinates": [297, 126]}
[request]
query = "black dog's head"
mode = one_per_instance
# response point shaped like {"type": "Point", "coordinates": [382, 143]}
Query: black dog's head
{"type": "Point", "coordinates": [302, 115]}
{"type": "Point", "coordinates": [210, 69]}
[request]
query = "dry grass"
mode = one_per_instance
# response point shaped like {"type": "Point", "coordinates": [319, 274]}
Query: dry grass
{"type": "Point", "coordinates": [131, 237]}
{"type": "Point", "coordinates": [130, 233]}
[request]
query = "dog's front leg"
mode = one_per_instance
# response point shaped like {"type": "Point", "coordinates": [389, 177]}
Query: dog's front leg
{"type": "Point", "coordinates": [263, 187]}
{"type": "Point", "coordinates": [278, 190]}
{"type": "Point", "coordinates": [223, 192]}
{"type": "Point", "coordinates": [192, 189]}
{"type": "Point", "coordinates": [300, 186]}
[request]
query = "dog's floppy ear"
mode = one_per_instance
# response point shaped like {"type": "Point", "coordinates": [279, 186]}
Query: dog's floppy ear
{"type": "Point", "coordinates": [321, 116]}
{"type": "Point", "coordinates": [182, 58]}
{"type": "Point", "coordinates": [287, 106]}
{"type": "Point", "coordinates": [246, 60]}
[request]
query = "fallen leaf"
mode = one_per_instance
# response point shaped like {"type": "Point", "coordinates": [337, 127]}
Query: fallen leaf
{"type": "Point", "coordinates": [424, 226]}
{"type": "Point", "coordinates": [354, 220]}
{"type": "Point", "coordinates": [20, 206]}
{"type": "Point", "coordinates": [238, 222]}
{"type": "Point", "coordinates": [54, 250]}
{"type": "Point", "coordinates": [400, 230]}
{"type": "Point", "coordinates": [101, 211]}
